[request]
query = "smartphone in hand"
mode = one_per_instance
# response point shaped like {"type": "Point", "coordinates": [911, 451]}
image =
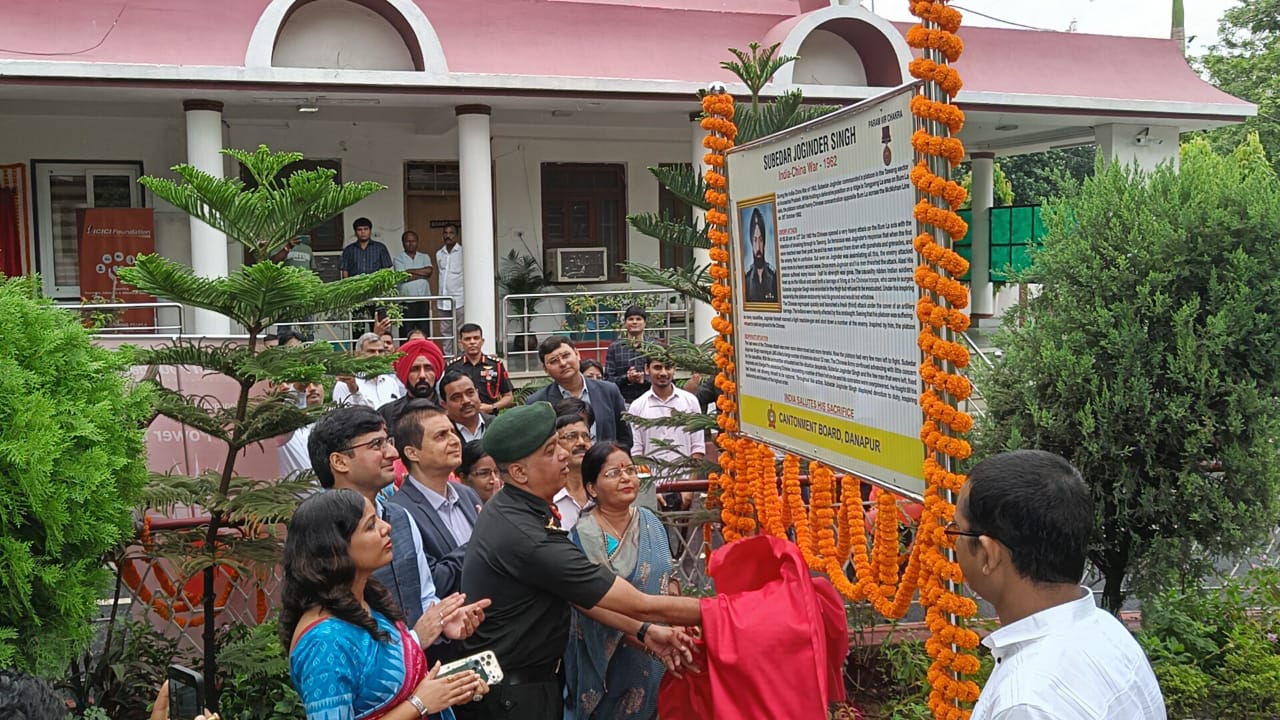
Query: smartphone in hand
{"type": "Point", "coordinates": [186, 693]}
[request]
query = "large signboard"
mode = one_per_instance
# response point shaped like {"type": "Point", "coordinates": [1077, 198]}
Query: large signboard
{"type": "Point", "coordinates": [112, 238]}
{"type": "Point", "coordinates": [824, 295]}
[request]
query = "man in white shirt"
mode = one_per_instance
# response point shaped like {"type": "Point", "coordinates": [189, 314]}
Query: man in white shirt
{"type": "Point", "coordinates": [574, 435]}
{"type": "Point", "coordinates": [1022, 526]}
{"type": "Point", "coordinates": [418, 265]}
{"type": "Point", "coordinates": [449, 260]}
{"type": "Point", "coordinates": [292, 453]}
{"type": "Point", "coordinates": [371, 392]}
{"type": "Point", "coordinates": [666, 444]}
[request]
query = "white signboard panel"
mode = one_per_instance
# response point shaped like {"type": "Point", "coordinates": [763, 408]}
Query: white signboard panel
{"type": "Point", "coordinates": [823, 290]}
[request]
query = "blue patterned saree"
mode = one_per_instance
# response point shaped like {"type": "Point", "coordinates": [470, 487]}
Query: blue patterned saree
{"type": "Point", "coordinates": [606, 678]}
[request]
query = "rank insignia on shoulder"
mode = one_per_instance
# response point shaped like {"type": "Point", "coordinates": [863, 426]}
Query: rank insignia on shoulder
{"type": "Point", "coordinates": [551, 525]}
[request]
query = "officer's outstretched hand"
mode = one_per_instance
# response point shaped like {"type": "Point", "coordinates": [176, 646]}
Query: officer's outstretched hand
{"type": "Point", "coordinates": [673, 646]}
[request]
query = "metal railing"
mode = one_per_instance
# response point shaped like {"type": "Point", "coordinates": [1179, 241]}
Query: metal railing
{"type": "Point", "coordinates": [103, 316]}
{"type": "Point", "coordinates": [590, 319]}
{"type": "Point", "coordinates": [420, 311]}
{"type": "Point", "coordinates": [977, 402]}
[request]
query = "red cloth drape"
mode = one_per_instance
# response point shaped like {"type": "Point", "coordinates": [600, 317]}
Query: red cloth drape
{"type": "Point", "coordinates": [774, 640]}
{"type": "Point", "coordinates": [10, 235]}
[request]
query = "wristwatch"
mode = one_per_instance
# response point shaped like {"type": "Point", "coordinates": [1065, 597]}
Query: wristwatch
{"type": "Point", "coordinates": [418, 705]}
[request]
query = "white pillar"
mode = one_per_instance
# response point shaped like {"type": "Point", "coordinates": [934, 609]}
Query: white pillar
{"type": "Point", "coordinates": [702, 312]}
{"type": "Point", "coordinates": [208, 246]}
{"type": "Point", "coordinates": [1145, 146]}
{"type": "Point", "coordinates": [982, 194]}
{"type": "Point", "coordinates": [475, 179]}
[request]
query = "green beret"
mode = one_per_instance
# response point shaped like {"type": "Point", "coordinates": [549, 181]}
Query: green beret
{"type": "Point", "coordinates": [517, 433]}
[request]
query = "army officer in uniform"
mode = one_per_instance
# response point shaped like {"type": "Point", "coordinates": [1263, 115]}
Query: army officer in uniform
{"type": "Point", "coordinates": [521, 559]}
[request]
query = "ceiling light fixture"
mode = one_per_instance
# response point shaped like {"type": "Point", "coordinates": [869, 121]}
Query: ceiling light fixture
{"type": "Point", "coordinates": [1006, 127]}
{"type": "Point", "coordinates": [309, 108]}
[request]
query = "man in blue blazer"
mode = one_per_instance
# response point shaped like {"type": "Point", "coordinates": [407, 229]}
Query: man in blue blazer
{"type": "Point", "coordinates": [560, 363]}
{"type": "Point", "coordinates": [445, 512]}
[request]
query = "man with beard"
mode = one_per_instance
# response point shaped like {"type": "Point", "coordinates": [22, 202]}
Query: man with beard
{"type": "Point", "coordinates": [462, 405]}
{"type": "Point", "coordinates": [444, 511]}
{"type": "Point", "coordinates": [762, 281]}
{"type": "Point", "coordinates": [418, 367]}
{"type": "Point", "coordinates": [574, 436]}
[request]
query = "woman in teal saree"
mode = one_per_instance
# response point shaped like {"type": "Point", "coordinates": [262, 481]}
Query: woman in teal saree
{"type": "Point", "coordinates": [607, 675]}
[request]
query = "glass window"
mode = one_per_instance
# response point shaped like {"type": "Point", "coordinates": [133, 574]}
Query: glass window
{"type": "Point", "coordinates": [62, 188]}
{"type": "Point", "coordinates": [584, 205]}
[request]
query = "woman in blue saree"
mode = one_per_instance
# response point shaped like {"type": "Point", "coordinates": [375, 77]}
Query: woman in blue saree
{"type": "Point", "coordinates": [609, 676]}
{"type": "Point", "coordinates": [350, 655]}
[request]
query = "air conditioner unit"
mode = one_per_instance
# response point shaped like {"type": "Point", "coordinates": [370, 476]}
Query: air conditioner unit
{"type": "Point", "coordinates": [588, 264]}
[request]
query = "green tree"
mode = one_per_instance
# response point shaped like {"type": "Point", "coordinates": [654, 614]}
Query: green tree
{"type": "Point", "coordinates": [72, 465]}
{"type": "Point", "coordinates": [1001, 186]}
{"type": "Point", "coordinates": [256, 297]}
{"type": "Point", "coordinates": [1151, 360]}
{"type": "Point", "coordinates": [1046, 176]}
{"type": "Point", "coordinates": [755, 118]}
{"type": "Point", "coordinates": [1246, 63]}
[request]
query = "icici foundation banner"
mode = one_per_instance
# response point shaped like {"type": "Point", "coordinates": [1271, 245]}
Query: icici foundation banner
{"type": "Point", "coordinates": [112, 238]}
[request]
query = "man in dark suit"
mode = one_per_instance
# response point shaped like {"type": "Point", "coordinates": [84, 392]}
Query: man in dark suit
{"type": "Point", "coordinates": [457, 392]}
{"type": "Point", "coordinates": [560, 362]}
{"type": "Point", "coordinates": [444, 511]}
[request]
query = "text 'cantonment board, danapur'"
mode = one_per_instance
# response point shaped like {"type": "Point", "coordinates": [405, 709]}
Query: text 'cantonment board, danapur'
{"type": "Point", "coordinates": [823, 290]}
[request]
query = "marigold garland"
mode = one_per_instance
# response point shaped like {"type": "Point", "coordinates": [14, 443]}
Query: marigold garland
{"type": "Point", "coordinates": [830, 531]}
{"type": "Point", "coordinates": [950, 646]}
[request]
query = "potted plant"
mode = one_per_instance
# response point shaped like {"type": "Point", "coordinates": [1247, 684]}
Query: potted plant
{"type": "Point", "coordinates": [520, 274]}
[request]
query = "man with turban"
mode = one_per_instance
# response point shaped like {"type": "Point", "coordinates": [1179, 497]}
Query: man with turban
{"type": "Point", "coordinates": [420, 364]}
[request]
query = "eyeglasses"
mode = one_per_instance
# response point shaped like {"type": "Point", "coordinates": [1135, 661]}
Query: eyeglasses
{"type": "Point", "coordinates": [375, 444]}
{"type": "Point", "coordinates": [575, 436]}
{"type": "Point", "coordinates": [630, 471]}
{"type": "Point", "coordinates": [486, 472]}
{"type": "Point", "coordinates": [953, 530]}
{"type": "Point", "coordinates": [560, 359]}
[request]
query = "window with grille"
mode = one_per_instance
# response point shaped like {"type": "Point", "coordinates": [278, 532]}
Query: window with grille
{"type": "Point", "coordinates": [584, 205]}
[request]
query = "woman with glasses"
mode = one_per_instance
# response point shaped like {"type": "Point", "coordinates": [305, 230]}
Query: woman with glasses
{"type": "Point", "coordinates": [479, 470]}
{"type": "Point", "coordinates": [610, 675]}
{"type": "Point", "coordinates": [350, 655]}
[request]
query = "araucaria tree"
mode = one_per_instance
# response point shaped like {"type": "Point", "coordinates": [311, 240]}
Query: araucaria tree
{"type": "Point", "coordinates": [257, 296]}
{"type": "Point", "coordinates": [1151, 360]}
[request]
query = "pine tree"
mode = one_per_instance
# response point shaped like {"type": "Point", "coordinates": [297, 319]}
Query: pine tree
{"type": "Point", "coordinates": [256, 296]}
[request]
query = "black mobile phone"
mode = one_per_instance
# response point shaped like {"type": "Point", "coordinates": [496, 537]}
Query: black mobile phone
{"type": "Point", "coordinates": [379, 312]}
{"type": "Point", "coordinates": [186, 693]}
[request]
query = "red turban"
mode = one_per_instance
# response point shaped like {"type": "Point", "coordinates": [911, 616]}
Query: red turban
{"type": "Point", "coordinates": [412, 351]}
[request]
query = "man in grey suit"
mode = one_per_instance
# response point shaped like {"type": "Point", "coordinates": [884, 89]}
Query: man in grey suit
{"type": "Point", "coordinates": [444, 511]}
{"type": "Point", "coordinates": [560, 363]}
{"type": "Point", "coordinates": [349, 448]}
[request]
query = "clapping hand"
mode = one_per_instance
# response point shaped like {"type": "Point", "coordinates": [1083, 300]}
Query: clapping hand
{"type": "Point", "coordinates": [462, 622]}
{"type": "Point", "coordinates": [434, 619]}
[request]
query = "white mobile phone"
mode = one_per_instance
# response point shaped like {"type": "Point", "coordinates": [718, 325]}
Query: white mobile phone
{"type": "Point", "coordinates": [484, 663]}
